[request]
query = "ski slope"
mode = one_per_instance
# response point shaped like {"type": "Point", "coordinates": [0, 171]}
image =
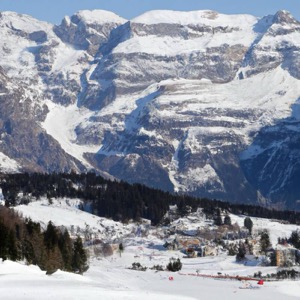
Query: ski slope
{"type": "Point", "coordinates": [110, 279]}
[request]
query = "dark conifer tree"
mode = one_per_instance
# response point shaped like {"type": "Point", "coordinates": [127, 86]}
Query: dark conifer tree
{"type": "Point", "coordinates": [79, 261]}
{"type": "Point", "coordinates": [13, 252]}
{"type": "Point", "coordinates": [295, 239]}
{"type": "Point", "coordinates": [227, 220]}
{"type": "Point", "coordinates": [241, 252]}
{"type": "Point", "coordinates": [218, 218]}
{"type": "Point", "coordinates": [264, 241]}
{"type": "Point", "coordinates": [248, 224]}
{"type": "Point", "coordinates": [65, 246]}
{"type": "Point", "coordinates": [4, 251]}
{"type": "Point", "coordinates": [50, 236]}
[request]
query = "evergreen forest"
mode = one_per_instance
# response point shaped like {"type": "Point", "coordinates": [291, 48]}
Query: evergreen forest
{"type": "Point", "coordinates": [50, 249]}
{"type": "Point", "coordinates": [120, 200]}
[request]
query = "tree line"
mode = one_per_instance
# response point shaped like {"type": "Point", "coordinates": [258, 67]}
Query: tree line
{"type": "Point", "coordinates": [120, 200]}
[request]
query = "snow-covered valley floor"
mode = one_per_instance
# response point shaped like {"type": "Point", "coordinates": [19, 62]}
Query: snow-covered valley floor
{"type": "Point", "coordinates": [110, 279]}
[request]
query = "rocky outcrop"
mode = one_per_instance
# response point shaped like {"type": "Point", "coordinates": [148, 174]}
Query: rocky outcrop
{"type": "Point", "coordinates": [22, 138]}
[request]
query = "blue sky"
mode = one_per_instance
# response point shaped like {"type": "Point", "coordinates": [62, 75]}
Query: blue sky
{"type": "Point", "coordinates": [54, 10]}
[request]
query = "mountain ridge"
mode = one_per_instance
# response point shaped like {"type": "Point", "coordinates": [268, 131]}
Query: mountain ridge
{"type": "Point", "coordinates": [188, 107]}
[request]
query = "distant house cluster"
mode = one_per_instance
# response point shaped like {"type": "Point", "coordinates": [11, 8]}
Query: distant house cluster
{"type": "Point", "coordinates": [286, 256]}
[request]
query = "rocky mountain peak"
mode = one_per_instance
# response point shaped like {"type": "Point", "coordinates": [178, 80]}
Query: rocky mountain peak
{"type": "Point", "coordinates": [284, 17]}
{"type": "Point", "coordinates": [22, 23]}
{"type": "Point", "coordinates": [87, 30]}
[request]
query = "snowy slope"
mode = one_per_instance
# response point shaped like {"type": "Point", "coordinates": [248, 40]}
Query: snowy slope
{"type": "Point", "coordinates": [65, 212]}
{"type": "Point", "coordinates": [98, 16]}
{"type": "Point", "coordinates": [205, 17]}
{"type": "Point", "coordinates": [8, 165]}
{"type": "Point", "coordinates": [110, 281]}
{"type": "Point", "coordinates": [239, 31]}
{"type": "Point", "coordinates": [61, 123]}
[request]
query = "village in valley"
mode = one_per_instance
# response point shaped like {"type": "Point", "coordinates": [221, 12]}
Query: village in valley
{"type": "Point", "coordinates": [192, 247]}
{"type": "Point", "coordinates": [250, 244]}
{"type": "Point", "coordinates": [261, 247]}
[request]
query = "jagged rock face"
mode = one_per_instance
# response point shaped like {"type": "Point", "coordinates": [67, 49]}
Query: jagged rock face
{"type": "Point", "coordinates": [191, 102]}
{"type": "Point", "coordinates": [193, 141]}
{"type": "Point", "coordinates": [88, 30]}
{"type": "Point", "coordinates": [272, 163]}
{"type": "Point", "coordinates": [139, 54]}
{"type": "Point", "coordinates": [276, 46]}
{"type": "Point", "coordinates": [22, 138]}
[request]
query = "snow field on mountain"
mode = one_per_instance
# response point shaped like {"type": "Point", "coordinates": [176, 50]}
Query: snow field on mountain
{"type": "Point", "coordinates": [18, 49]}
{"type": "Point", "coordinates": [7, 164]}
{"type": "Point", "coordinates": [180, 97]}
{"type": "Point", "coordinates": [275, 87]}
{"type": "Point", "coordinates": [170, 46]}
{"type": "Point", "coordinates": [200, 95]}
{"type": "Point", "coordinates": [66, 60]}
{"type": "Point", "coordinates": [61, 122]}
{"type": "Point", "coordinates": [204, 17]}
{"type": "Point", "coordinates": [273, 42]}
{"type": "Point", "coordinates": [242, 33]}
{"type": "Point", "coordinates": [195, 177]}
{"type": "Point", "coordinates": [99, 17]}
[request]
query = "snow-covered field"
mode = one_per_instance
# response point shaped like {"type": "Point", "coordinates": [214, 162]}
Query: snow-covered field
{"type": "Point", "coordinates": [110, 277]}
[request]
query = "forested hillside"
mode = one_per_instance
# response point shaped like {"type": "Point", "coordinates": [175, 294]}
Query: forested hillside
{"type": "Point", "coordinates": [120, 201]}
{"type": "Point", "coordinates": [52, 249]}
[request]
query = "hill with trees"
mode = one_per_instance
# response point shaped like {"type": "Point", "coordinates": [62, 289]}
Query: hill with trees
{"type": "Point", "coordinates": [120, 200]}
{"type": "Point", "coordinates": [51, 249]}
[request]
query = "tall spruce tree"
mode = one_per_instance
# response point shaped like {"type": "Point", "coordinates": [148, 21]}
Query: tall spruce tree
{"type": "Point", "coordinates": [4, 232]}
{"type": "Point", "coordinates": [79, 261]}
{"type": "Point", "coordinates": [66, 248]}
{"type": "Point", "coordinates": [227, 220]}
{"type": "Point", "coordinates": [248, 224]}
{"type": "Point", "coordinates": [264, 241]}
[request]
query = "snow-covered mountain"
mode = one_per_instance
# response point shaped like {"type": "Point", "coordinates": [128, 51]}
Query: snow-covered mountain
{"type": "Point", "coordinates": [195, 102]}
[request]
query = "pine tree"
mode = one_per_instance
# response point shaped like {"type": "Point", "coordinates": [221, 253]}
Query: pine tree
{"type": "Point", "coordinates": [3, 241]}
{"type": "Point", "coordinates": [218, 218]}
{"type": "Point", "coordinates": [241, 252]}
{"type": "Point", "coordinates": [121, 249]}
{"type": "Point", "coordinates": [248, 224]}
{"type": "Point", "coordinates": [65, 246]}
{"type": "Point", "coordinates": [79, 261]}
{"type": "Point", "coordinates": [264, 241]}
{"type": "Point", "coordinates": [13, 252]}
{"type": "Point", "coordinates": [227, 220]}
{"type": "Point", "coordinates": [174, 265]}
{"type": "Point", "coordinates": [51, 236]}
{"type": "Point", "coordinates": [295, 239]}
